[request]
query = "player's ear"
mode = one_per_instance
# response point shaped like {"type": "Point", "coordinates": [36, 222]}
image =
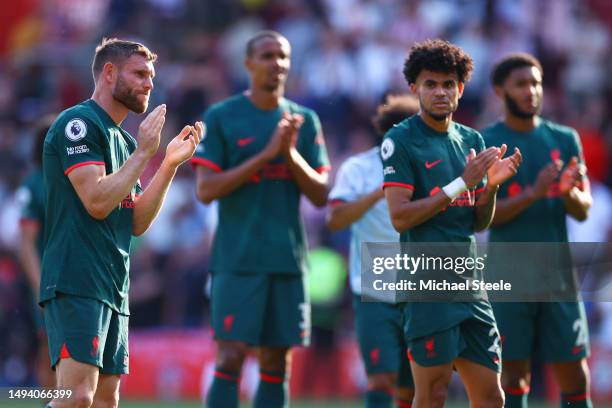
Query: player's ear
{"type": "Point", "coordinates": [461, 87]}
{"type": "Point", "coordinates": [413, 88]}
{"type": "Point", "coordinates": [499, 91]}
{"type": "Point", "coordinates": [248, 63]}
{"type": "Point", "coordinates": [109, 72]}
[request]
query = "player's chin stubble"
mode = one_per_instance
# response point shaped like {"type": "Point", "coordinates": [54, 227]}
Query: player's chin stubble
{"type": "Point", "coordinates": [126, 96]}
{"type": "Point", "coordinates": [515, 110]}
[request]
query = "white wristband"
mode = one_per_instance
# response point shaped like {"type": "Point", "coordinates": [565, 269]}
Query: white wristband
{"type": "Point", "coordinates": [455, 188]}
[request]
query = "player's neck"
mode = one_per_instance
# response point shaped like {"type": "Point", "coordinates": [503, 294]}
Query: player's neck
{"type": "Point", "coordinates": [437, 125]}
{"type": "Point", "coordinates": [263, 99]}
{"type": "Point", "coordinates": [521, 124]}
{"type": "Point", "coordinates": [117, 111]}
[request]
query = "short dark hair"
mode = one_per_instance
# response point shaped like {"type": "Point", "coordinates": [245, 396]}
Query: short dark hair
{"type": "Point", "coordinates": [116, 51]}
{"type": "Point", "coordinates": [437, 56]}
{"type": "Point", "coordinates": [503, 68]}
{"type": "Point", "coordinates": [395, 109]}
{"type": "Point", "coordinates": [250, 46]}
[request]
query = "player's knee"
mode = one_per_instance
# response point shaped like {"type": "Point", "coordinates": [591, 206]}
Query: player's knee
{"type": "Point", "coordinates": [273, 359]}
{"type": "Point", "coordinates": [580, 377]}
{"type": "Point", "coordinates": [405, 393]}
{"type": "Point", "coordinates": [231, 356]}
{"type": "Point", "coordinates": [108, 400]}
{"type": "Point", "coordinates": [438, 393]}
{"type": "Point", "coordinates": [382, 381]}
{"type": "Point", "coordinates": [515, 378]}
{"type": "Point", "coordinates": [81, 399]}
{"type": "Point", "coordinates": [496, 398]}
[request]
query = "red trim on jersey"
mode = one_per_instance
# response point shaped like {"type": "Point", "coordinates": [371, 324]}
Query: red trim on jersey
{"type": "Point", "coordinates": [479, 190]}
{"type": "Point", "coordinates": [396, 184]}
{"type": "Point", "coordinates": [336, 202]}
{"type": "Point", "coordinates": [224, 376]}
{"type": "Point", "coordinates": [517, 391]}
{"type": "Point", "coordinates": [323, 169]}
{"type": "Point", "coordinates": [198, 161]}
{"type": "Point", "coordinates": [64, 352]}
{"type": "Point", "coordinates": [274, 379]}
{"type": "Point", "coordinates": [87, 163]}
{"type": "Point", "coordinates": [576, 397]}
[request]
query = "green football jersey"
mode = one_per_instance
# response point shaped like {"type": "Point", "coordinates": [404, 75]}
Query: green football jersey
{"type": "Point", "coordinates": [31, 198]}
{"type": "Point", "coordinates": [423, 160]}
{"type": "Point", "coordinates": [260, 229]}
{"type": "Point", "coordinates": [84, 256]}
{"type": "Point", "coordinates": [544, 220]}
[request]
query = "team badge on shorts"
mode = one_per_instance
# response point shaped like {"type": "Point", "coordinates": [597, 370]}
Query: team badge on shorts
{"type": "Point", "coordinates": [75, 130]}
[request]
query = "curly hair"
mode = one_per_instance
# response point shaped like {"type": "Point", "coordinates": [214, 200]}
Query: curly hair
{"type": "Point", "coordinates": [503, 68]}
{"type": "Point", "coordinates": [437, 56]}
{"type": "Point", "coordinates": [395, 109]}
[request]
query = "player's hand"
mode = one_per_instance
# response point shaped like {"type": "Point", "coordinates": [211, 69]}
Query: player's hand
{"type": "Point", "coordinates": [478, 164]}
{"type": "Point", "coordinates": [181, 148]}
{"type": "Point", "coordinates": [149, 131]}
{"type": "Point", "coordinates": [571, 176]}
{"type": "Point", "coordinates": [289, 142]}
{"type": "Point", "coordinates": [502, 169]}
{"type": "Point", "coordinates": [275, 144]}
{"type": "Point", "coordinates": [546, 177]}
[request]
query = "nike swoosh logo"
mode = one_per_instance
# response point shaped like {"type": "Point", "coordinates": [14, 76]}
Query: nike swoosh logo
{"type": "Point", "coordinates": [245, 141]}
{"type": "Point", "coordinates": [429, 165]}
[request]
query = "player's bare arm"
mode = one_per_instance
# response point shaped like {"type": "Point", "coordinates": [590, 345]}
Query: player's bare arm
{"type": "Point", "coordinates": [101, 193]}
{"type": "Point", "coordinates": [500, 171]}
{"type": "Point", "coordinates": [575, 190]}
{"type": "Point", "coordinates": [211, 185]}
{"type": "Point", "coordinates": [28, 255]}
{"type": "Point", "coordinates": [179, 150]}
{"type": "Point", "coordinates": [508, 208]}
{"type": "Point", "coordinates": [313, 184]}
{"type": "Point", "coordinates": [343, 214]}
{"type": "Point", "coordinates": [406, 213]}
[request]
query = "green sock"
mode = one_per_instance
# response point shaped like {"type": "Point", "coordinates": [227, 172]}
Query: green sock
{"type": "Point", "coordinates": [377, 398]}
{"type": "Point", "coordinates": [272, 391]}
{"type": "Point", "coordinates": [223, 392]}
{"type": "Point", "coordinates": [576, 400]}
{"type": "Point", "coordinates": [516, 400]}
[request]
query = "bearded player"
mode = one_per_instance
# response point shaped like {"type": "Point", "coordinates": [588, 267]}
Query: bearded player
{"type": "Point", "coordinates": [94, 204]}
{"type": "Point", "coordinates": [532, 208]}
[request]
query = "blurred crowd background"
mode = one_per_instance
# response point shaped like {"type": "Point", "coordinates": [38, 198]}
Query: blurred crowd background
{"type": "Point", "coordinates": [346, 55]}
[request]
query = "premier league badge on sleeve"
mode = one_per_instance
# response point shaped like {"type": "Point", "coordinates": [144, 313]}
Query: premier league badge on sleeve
{"type": "Point", "coordinates": [387, 149]}
{"type": "Point", "coordinates": [76, 129]}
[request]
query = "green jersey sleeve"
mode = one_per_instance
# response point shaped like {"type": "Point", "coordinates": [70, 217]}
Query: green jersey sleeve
{"type": "Point", "coordinates": [211, 152]}
{"type": "Point", "coordinates": [79, 144]}
{"type": "Point", "coordinates": [31, 208]}
{"type": "Point", "coordinates": [314, 150]}
{"type": "Point", "coordinates": [480, 147]}
{"type": "Point", "coordinates": [575, 149]}
{"type": "Point", "coordinates": [397, 167]}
